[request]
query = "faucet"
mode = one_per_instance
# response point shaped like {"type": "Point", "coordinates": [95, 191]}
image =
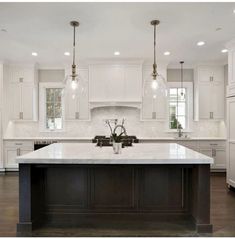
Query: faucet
{"type": "Point", "coordinates": [180, 133]}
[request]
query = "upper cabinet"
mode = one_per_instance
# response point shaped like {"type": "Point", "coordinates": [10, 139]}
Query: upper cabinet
{"type": "Point", "coordinates": [209, 93]}
{"type": "Point", "coordinates": [23, 88]}
{"type": "Point", "coordinates": [77, 103]}
{"type": "Point", "coordinates": [231, 68]}
{"type": "Point", "coordinates": [115, 83]}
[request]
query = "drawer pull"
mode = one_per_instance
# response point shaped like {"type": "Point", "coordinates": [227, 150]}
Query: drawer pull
{"type": "Point", "coordinates": [18, 143]}
{"type": "Point", "coordinates": [214, 144]}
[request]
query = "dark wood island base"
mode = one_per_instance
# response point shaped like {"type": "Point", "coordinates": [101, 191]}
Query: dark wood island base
{"type": "Point", "coordinates": [72, 195]}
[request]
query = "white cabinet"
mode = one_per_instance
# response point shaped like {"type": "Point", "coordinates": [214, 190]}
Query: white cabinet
{"type": "Point", "coordinates": [231, 70]}
{"type": "Point", "coordinates": [231, 141]}
{"type": "Point", "coordinates": [77, 104]}
{"type": "Point", "coordinates": [12, 149]}
{"type": "Point", "coordinates": [209, 93]}
{"type": "Point", "coordinates": [210, 74]}
{"type": "Point", "coordinates": [216, 150]}
{"type": "Point", "coordinates": [115, 82]}
{"type": "Point", "coordinates": [24, 102]}
{"type": "Point", "coordinates": [189, 144]}
{"type": "Point", "coordinates": [23, 92]}
{"type": "Point", "coordinates": [22, 73]}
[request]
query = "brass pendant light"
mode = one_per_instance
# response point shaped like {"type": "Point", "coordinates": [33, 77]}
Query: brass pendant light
{"type": "Point", "coordinates": [155, 85]}
{"type": "Point", "coordinates": [73, 78]}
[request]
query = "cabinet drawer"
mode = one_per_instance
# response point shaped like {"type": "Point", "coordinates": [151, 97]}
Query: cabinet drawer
{"type": "Point", "coordinates": [28, 144]}
{"type": "Point", "coordinates": [212, 144]}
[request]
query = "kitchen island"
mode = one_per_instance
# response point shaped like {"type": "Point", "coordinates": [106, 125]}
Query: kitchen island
{"type": "Point", "coordinates": [76, 185]}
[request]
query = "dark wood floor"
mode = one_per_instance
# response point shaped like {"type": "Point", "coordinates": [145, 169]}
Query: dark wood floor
{"type": "Point", "coordinates": [222, 214]}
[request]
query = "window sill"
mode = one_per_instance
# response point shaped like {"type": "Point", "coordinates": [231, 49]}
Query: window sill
{"type": "Point", "coordinates": [176, 131]}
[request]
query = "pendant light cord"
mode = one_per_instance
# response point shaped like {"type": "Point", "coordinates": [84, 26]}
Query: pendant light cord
{"type": "Point", "coordinates": [154, 43]}
{"type": "Point", "coordinates": [73, 45]}
{"type": "Point", "coordinates": [181, 71]}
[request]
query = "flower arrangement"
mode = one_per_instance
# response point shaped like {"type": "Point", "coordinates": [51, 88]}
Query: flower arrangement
{"type": "Point", "coordinates": [117, 138]}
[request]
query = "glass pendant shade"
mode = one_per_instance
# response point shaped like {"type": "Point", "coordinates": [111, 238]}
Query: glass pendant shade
{"type": "Point", "coordinates": [155, 88]}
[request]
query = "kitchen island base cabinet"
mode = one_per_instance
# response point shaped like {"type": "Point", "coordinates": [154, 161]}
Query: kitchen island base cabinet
{"type": "Point", "coordinates": [106, 195]}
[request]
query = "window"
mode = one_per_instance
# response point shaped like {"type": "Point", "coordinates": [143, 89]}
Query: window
{"type": "Point", "coordinates": [178, 108]}
{"type": "Point", "coordinates": [53, 108]}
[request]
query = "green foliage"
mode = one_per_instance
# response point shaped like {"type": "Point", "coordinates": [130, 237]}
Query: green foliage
{"type": "Point", "coordinates": [175, 123]}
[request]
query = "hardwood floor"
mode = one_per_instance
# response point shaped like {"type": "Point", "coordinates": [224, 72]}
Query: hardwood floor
{"type": "Point", "coordinates": [222, 215]}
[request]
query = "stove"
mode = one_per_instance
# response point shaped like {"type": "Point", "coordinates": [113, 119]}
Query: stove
{"type": "Point", "coordinates": [127, 140]}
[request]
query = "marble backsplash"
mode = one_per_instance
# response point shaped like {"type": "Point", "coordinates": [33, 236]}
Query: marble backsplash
{"type": "Point", "coordinates": [97, 126]}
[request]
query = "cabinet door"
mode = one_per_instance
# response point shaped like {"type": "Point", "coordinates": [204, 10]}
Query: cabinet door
{"type": "Point", "coordinates": [204, 74]}
{"type": "Point", "coordinates": [133, 83]}
{"type": "Point", "coordinates": [21, 74]}
{"type": "Point", "coordinates": [147, 108]}
{"type": "Point", "coordinates": [205, 101]}
{"type": "Point", "coordinates": [115, 83]}
{"type": "Point", "coordinates": [98, 83]}
{"type": "Point", "coordinates": [83, 100]}
{"type": "Point", "coordinates": [10, 157]}
{"type": "Point", "coordinates": [220, 159]}
{"type": "Point", "coordinates": [25, 151]}
{"type": "Point", "coordinates": [217, 100]}
{"type": "Point", "coordinates": [27, 101]}
{"type": "Point", "coordinates": [209, 153]}
{"type": "Point", "coordinates": [71, 100]}
{"type": "Point", "coordinates": [231, 141]}
{"type": "Point", "coordinates": [218, 73]}
{"type": "Point", "coordinates": [16, 100]}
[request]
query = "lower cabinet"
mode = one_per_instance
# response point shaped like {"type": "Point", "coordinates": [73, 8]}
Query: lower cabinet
{"type": "Point", "coordinates": [12, 149]}
{"type": "Point", "coordinates": [216, 150]}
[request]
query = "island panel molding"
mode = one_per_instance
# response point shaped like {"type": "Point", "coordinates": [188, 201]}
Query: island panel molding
{"type": "Point", "coordinates": [84, 188]}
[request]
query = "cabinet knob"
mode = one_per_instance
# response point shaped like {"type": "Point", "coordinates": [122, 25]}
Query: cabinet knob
{"type": "Point", "coordinates": [21, 79]}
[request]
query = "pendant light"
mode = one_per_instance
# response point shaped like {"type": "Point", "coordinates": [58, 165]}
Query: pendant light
{"type": "Point", "coordinates": [182, 79]}
{"type": "Point", "coordinates": [73, 79]}
{"type": "Point", "coordinates": [155, 84]}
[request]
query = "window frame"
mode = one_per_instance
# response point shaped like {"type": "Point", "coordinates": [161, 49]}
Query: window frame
{"type": "Point", "coordinates": [42, 106]}
{"type": "Point", "coordinates": [189, 105]}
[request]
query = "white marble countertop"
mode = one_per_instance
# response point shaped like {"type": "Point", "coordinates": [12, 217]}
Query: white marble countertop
{"type": "Point", "coordinates": [88, 153]}
{"type": "Point", "coordinates": [62, 138]}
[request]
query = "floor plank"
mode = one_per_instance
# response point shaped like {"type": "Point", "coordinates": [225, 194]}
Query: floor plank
{"type": "Point", "coordinates": [222, 214]}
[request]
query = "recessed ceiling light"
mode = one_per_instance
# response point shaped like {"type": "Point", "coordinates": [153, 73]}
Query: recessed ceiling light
{"type": "Point", "coordinates": [34, 53]}
{"type": "Point", "coordinates": [116, 53]}
{"type": "Point", "coordinates": [201, 43]}
{"type": "Point", "coordinates": [167, 53]}
{"type": "Point", "coordinates": [224, 50]}
{"type": "Point", "coordinates": [67, 53]}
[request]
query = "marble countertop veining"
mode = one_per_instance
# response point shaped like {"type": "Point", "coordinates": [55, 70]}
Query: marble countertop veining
{"type": "Point", "coordinates": [63, 138]}
{"type": "Point", "coordinates": [87, 153]}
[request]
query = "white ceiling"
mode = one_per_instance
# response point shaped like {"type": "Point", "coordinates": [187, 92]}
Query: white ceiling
{"type": "Point", "coordinates": [107, 27]}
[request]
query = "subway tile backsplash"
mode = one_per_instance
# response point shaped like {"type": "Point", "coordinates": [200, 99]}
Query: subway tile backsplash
{"type": "Point", "coordinates": [132, 123]}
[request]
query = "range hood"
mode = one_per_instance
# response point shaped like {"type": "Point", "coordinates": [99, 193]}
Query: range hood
{"type": "Point", "coordinates": [99, 104]}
